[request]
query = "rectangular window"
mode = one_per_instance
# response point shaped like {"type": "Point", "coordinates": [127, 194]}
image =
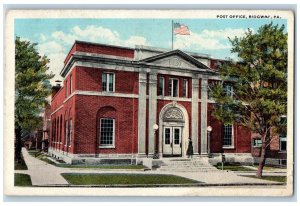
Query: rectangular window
{"type": "Point", "coordinates": [173, 87]}
{"type": "Point", "coordinates": [70, 133]}
{"type": "Point", "coordinates": [257, 142]}
{"type": "Point", "coordinates": [228, 89]}
{"type": "Point", "coordinates": [70, 84]}
{"type": "Point", "coordinates": [185, 88]}
{"type": "Point", "coordinates": [107, 127]}
{"type": "Point", "coordinates": [167, 136]}
{"type": "Point", "coordinates": [108, 82]}
{"type": "Point", "coordinates": [66, 88]}
{"type": "Point", "coordinates": [282, 143]}
{"type": "Point", "coordinates": [227, 135]}
{"type": "Point", "coordinates": [176, 136]}
{"type": "Point", "coordinates": [161, 86]}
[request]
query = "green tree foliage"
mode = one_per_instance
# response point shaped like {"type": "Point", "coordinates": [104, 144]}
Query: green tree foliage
{"type": "Point", "coordinates": [259, 80]}
{"type": "Point", "coordinates": [32, 87]}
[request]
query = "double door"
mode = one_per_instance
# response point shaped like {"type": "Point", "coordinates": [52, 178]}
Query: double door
{"type": "Point", "coordinates": [172, 145]}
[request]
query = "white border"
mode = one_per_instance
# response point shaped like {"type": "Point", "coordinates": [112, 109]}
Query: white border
{"type": "Point", "coordinates": [9, 106]}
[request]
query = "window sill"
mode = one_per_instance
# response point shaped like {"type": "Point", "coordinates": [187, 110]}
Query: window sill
{"type": "Point", "coordinates": [108, 92]}
{"type": "Point", "coordinates": [106, 147]}
{"type": "Point", "coordinates": [228, 147]}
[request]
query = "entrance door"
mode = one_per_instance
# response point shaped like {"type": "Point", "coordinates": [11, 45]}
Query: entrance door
{"type": "Point", "coordinates": [172, 141]}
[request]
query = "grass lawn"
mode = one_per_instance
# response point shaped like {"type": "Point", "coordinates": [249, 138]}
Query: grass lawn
{"type": "Point", "coordinates": [271, 178]}
{"type": "Point", "coordinates": [22, 180]}
{"type": "Point", "coordinates": [124, 179]}
{"type": "Point", "coordinates": [21, 165]}
{"type": "Point", "coordinates": [44, 157]}
{"type": "Point", "coordinates": [233, 167]}
{"type": "Point", "coordinates": [268, 168]}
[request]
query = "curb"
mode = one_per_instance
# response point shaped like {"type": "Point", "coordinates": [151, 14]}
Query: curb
{"type": "Point", "coordinates": [168, 185]}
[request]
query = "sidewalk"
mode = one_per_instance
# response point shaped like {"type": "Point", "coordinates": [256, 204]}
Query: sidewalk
{"type": "Point", "coordinates": [44, 174]}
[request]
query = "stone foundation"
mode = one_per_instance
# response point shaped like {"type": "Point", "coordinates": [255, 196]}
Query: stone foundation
{"type": "Point", "coordinates": [92, 159]}
{"type": "Point", "coordinates": [243, 158]}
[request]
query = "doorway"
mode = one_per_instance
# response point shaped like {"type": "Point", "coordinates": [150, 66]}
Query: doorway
{"type": "Point", "coordinates": [172, 141]}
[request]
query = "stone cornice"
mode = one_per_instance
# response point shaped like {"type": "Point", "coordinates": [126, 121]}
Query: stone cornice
{"type": "Point", "coordinates": [129, 64]}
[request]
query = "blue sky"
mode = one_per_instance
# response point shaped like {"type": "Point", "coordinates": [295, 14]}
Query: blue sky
{"type": "Point", "coordinates": [56, 36]}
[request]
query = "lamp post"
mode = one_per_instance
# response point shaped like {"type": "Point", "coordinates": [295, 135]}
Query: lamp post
{"type": "Point", "coordinates": [209, 129]}
{"type": "Point", "coordinates": [155, 155]}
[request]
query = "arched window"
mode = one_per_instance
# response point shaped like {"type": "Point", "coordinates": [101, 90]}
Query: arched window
{"type": "Point", "coordinates": [54, 130]}
{"type": "Point", "coordinates": [66, 131]}
{"type": "Point", "coordinates": [57, 129]}
{"type": "Point", "coordinates": [70, 132]}
{"type": "Point", "coordinates": [60, 129]}
{"type": "Point", "coordinates": [106, 127]}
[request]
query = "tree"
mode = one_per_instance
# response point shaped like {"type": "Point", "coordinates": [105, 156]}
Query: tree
{"type": "Point", "coordinates": [259, 80]}
{"type": "Point", "coordinates": [32, 87]}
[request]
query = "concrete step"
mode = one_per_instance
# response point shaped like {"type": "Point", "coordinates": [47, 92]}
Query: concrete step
{"type": "Point", "coordinates": [189, 170]}
{"type": "Point", "coordinates": [187, 165]}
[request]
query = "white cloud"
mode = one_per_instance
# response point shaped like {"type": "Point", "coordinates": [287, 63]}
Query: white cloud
{"type": "Point", "coordinates": [42, 37]}
{"type": "Point", "coordinates": [97, 34]}
{"type": "Point", "coordinates": [135, 40]}
{"type": "Point", "coordinates": [223, 33]}
{"type": "Point", "coordinates": [51, 47]}
{"type": "Point", "coordinates": [208, 39]}
{"type": "Point", "coordinates": [56, 64]}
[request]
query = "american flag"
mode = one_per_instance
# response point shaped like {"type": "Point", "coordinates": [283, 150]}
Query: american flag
{"type": "Point", "coordinates": [181, 29]}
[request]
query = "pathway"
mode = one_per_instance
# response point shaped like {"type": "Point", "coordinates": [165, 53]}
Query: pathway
{"type": "Point", "coordinates": [45, 174]}
{"type": "Point", "coordinates": [42, 173]}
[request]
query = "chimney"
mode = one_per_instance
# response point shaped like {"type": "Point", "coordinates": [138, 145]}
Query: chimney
{"type": "Point", "coordinates": [56, 88]}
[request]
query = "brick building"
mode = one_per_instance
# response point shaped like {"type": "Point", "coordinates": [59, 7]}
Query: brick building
{"type": "Point", "coordinates": [135, 103]}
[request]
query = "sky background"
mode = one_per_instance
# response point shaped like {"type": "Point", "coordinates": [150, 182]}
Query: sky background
{"type": "Point", "coordinates": [55, 37]}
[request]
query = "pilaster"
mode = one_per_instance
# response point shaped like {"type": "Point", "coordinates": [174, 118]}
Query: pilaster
{"type": "Point", "coordinates": [204, 116]}
{"type": "Point", "coordinates": [195, 113]}
{"type": "Point", "coordinates": [152, 112]}
{"type": "Point", "coordinates": [142, 114]}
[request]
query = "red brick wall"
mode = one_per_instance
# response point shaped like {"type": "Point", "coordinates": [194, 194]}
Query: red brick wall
{"type": "Point", "coordinates": [57, 100]}
{"type": "Point", "coordinates": [67, 112]}
{"type": "Point", "coordinates": [273, 150]}
{"type": "Point", "coordinates": [242, 136]}
{"type": "Point", "coordinates": [125, 124]}
{"type": "Point", "coordinates": [90, 79]}
{"type": "Point", "coordinates": [100, 49]}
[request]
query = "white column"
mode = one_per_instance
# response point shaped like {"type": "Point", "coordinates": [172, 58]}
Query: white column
{"type": "Point", "coordinates": [152, 112]}
{"type": "Point", "coordinates": [195, 113]}
{"type": "Point", "coordinates": [142, 114]}
{"type": "Point", "coordinates": [204, 116]}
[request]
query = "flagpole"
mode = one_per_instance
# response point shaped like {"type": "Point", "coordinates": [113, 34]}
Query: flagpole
{"type": "Point", "coordinates": [172, 33]}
